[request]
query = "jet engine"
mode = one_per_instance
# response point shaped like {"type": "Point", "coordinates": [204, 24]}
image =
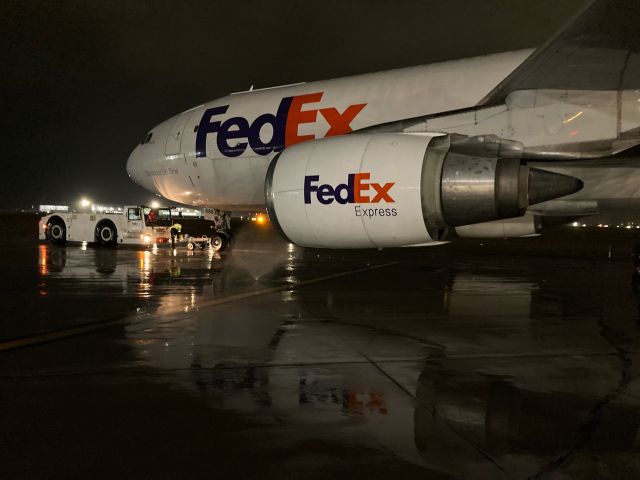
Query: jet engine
{"type": "Point", "coordinates": [395, 190]}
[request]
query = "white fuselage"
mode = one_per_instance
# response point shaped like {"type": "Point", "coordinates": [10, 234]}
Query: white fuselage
{"type": "Point", "coordinates": [217, 154]}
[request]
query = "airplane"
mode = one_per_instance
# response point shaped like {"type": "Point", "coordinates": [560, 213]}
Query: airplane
{"type": "Point", "coordinates": [491, 146]}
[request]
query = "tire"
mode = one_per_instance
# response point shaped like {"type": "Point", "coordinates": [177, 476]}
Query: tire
{"type": "Point", "coordinates": [201, 245]}
{"type": "Point", "coordinates": [218, 243]}
{"type": "Point", "coordinates": [190, 246]}
{"type": "Point", "coordinates": [56, 231]}
{"type": "Point", "coordinates": [106, 234]}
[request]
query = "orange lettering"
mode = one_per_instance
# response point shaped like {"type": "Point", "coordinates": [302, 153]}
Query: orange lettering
{"type": "Point", "coordinates": [297, 116]}
{"type": "Point", "coordinates": [358, 187]}
{"type": "Point", "coordinates": [340, 123]}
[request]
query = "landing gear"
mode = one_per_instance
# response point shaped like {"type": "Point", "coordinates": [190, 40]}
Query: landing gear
{"type": "Point", "coordinates": [218, 242]}
{"type": "Point", "coordinates": [221, 240]}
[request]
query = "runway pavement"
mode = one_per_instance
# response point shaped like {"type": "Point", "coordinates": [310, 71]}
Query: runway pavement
{"type": "Point", "coordinates": [475, 360]}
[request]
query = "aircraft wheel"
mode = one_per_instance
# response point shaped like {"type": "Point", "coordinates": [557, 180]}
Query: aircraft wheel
{"type": "Point", "coordinates": [217, 243]}
{"type": "Point", "coordinates": [190, 246]}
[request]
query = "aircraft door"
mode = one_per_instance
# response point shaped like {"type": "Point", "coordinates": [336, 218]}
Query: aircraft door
{"type": "Point", "coordinates": [174, 139]}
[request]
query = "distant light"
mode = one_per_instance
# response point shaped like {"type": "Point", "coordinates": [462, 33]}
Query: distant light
{"type": "Point", "coordinates": [54, 208]}
{"type": "Point", "coordinates": [154, 204]}
{"type": "Point", "coordinates": [260, 219]}
{"type": "Point", "coordinates": [575, 224]}
{"type": "Point", "coordinates": [84, 202]}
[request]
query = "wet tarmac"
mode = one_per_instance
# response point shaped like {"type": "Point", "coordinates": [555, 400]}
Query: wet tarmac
{"type": "Point", "coordinates": [501, 360]}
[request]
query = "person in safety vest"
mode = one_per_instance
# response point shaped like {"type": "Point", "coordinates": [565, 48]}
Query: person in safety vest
{"type": "Point", "coordinates": [173, 231]}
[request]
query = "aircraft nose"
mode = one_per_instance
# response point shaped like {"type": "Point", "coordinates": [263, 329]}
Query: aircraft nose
{"type": "Point", "coordinates": [132, 165]}
{"type": "Point", "coordinates": [135, 168]}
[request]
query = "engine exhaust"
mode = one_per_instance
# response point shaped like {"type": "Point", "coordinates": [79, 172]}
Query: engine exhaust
{"type": "Point", "coordinates": [480, 189]}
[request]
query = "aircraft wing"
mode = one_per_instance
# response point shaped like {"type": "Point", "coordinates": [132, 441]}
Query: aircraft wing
{"type": "Point", "coordinates": [598, 50]}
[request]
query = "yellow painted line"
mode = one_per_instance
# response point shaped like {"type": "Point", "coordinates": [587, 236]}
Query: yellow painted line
{"type": "Point", "coordinates": [93, 327]}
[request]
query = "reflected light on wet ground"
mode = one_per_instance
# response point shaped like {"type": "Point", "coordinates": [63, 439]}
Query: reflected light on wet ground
{"type": "Point", "coordinates": [74, 275]}
{"type": "Point", "coordinates": [445, 363]}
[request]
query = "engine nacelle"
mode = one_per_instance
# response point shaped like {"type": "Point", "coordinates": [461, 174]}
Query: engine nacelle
{"type": "Point", "coordinates": [394, 190]}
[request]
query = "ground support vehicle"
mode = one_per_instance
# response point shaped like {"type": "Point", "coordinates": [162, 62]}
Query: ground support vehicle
{"type": "Point", "coordinates": [130, 225]}
{"type": "Point", "coordinates": [199, 242]}
{"type": "Point", "coordinates": [214, 225]}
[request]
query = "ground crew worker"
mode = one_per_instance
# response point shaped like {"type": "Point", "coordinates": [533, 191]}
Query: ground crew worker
{"type": "Point", "coordinates": [173, 231]}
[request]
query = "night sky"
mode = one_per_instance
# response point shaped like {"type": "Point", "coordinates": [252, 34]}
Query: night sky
{"type": "Point", "coordinates": [83, 81]}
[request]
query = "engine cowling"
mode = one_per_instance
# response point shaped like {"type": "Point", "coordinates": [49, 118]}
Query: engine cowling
{"type": "Point", "coordinates": [393, 190]}
{"type": "Point", "coordinates": [525, 226]}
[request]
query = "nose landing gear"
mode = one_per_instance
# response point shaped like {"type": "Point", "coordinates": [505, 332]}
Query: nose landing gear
{"type": "Point", "coordinates": [221, 239]}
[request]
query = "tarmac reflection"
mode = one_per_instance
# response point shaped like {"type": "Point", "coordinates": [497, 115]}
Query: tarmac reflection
{"type": "Point", "coordinates": [450, 363]}
{"type": "Point", "coordinates": [316, 359]}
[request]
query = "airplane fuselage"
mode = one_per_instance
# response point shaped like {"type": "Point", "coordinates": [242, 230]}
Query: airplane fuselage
{"type": "Point", "coordinates": [217, 154]}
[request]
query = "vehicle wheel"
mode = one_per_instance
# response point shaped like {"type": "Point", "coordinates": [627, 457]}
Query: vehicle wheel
{"type": "Point", "coordinates": [107, 234]}
{"type": "Point", "coordinates": [57, 231]}
{"type": "Point", "coordinates": [217, 243]}
{"type": "Point", "coordinates": [201, 245]}
{"type": "Point", "coordinates": [190, 246]}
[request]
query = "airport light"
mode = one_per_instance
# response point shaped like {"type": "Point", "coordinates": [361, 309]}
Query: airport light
{"type": "Point", "coordinates": [84, 202]}
{"type": "Point", "coordinates": [154, 204]}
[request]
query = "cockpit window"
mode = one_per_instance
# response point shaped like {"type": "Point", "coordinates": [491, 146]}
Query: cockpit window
{"type": "Point", "coordinates": [146, 138]}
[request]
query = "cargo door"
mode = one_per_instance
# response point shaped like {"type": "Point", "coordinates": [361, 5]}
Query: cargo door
{"type": "Point", "coordinates": [174, 140]}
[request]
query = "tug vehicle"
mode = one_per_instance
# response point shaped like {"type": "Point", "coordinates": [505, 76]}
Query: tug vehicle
{"type": "Point", "coordinates": [130, 225]}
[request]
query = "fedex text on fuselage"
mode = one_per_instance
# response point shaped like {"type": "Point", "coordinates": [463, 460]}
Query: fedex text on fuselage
{"type": "Point", "coordinates": [236, 134]}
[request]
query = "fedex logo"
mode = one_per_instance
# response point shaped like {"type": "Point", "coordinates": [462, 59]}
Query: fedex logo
{"type": "Point", "coordinates": [356, 190]}
{"type": "Point", "coordinates": [235, 134]}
